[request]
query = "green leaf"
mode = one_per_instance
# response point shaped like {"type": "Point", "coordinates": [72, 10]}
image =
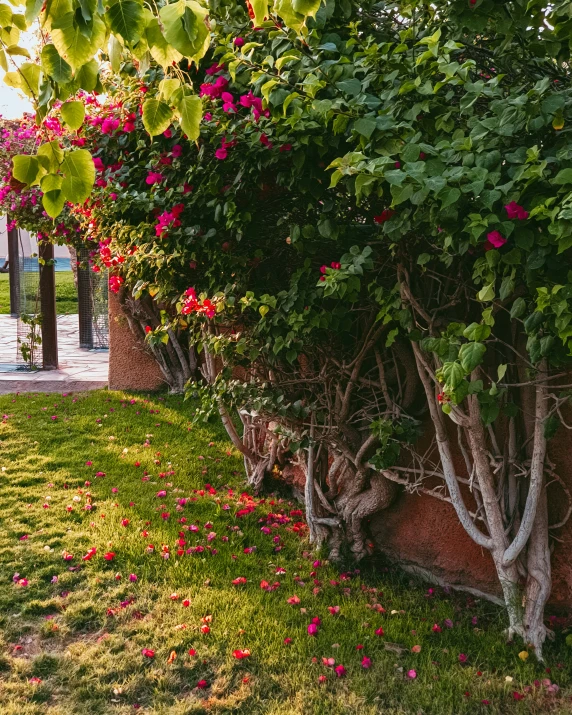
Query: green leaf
{"type": "Point", "coordinates": [518, 308]}
{"type": "Point", "coordinates": [53, 202]}
{"type": "Point", "coordinates": [260, 9]}
{"type": "Point", "coordinates": [5, 15]}
{"type": "Point", "coordinates": [477, 332]}
{"type": "Point", "coordinates": [26, 79]}
{"type": "Point", "coordinates": [126, 19]}
{"type": "Point", "coordinates": [563, 177]}
{"type": "Point", "coordinates": [449, 196]}
{"type": "Point", "coordinates": [157, 116]}
{"type": "Point", "coordinates": [51, 156]}
{"type": "Point", "coordinates": [79, 175]}
{"type": "Point", "coordinates": [487, 293]}
{"type": "Point", "coordinates": [72, 44]}
{"type": "Point", "coordinates": [308, 8]}
{"type": "Point", "coordinates": [365, 127]}
{"type": "Point", "coordinates": [161, 51]}
{"type": "Point", "coordinates": [471, 355]}
{"type": "Point", "coordinates": [33, 8]}
{"type": "Point", "coordinates": [501, 372]}
{"type": "Point", "coordinates": [86, 77]}
{"type": "Point", "coordinates": [115, 52]}
{"type": "Point", "coordinates": [73, 114]}
{"type": "Point", "coordinates": [182, 21]}
{"type": "Point", "coordinates": [26, 168]}
{"type": "Point", "coordinates": [453, 373]}
{"type": "Point", "coordinates": [167, 86]}
{"type": "Point", "coordinates": [55, 66]}
{"type": "Point", "coordinates": [191, 110]}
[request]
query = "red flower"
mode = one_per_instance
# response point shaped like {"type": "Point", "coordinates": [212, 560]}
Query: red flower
{"type": "Point", "coordinates": [90, 554]}
{"type": "Point", "coordinates": [109, 556]}
{"type": "Point", "coordinates": [148, 653]}
{"type": "Point", "coordinates": [239, 654]}
{"type": "Point", "coordinates": [380, 632]}
{"type": "Point", "coordinates": [202, 684]}
{"type": "Point", "coordinates": [384, 216]}
{"type": "Point", "coordinates": [514, 210]}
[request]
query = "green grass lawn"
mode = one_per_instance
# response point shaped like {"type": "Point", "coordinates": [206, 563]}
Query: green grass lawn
{"type": "Point", "coordinates": [128, 477]}
{"type": "Point", "coordinates": [66, 294]}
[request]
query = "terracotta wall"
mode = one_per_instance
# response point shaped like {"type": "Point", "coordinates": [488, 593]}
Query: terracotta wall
{"type": "Point", "coordinates": [419, 530]}
{"type": "Point", "coordinates": [130, 366]}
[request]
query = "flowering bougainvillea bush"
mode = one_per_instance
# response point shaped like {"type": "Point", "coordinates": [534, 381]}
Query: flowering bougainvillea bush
{"type": "Point", "coordinates": [22, 204]}
{"type": "Point", "coordinates": [358, 218]}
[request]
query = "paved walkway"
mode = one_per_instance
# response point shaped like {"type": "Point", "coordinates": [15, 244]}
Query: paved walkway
{"type": "Point", "coordinates": [79, 369]}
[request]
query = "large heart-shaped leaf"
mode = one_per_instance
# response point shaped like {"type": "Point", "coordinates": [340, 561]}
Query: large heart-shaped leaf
{"type": "Point", "coordinates": [185, 28]}
{"type": "Point", "coordinates": [55, 66]}
{"type": "Point", "coordinates": [79, 175]}
{"type": "Point", "coordinates": [72, 44]}
{"type": "Point", "coordinates": [73, 114]}
{"type": "Point", "coordinates": [191, 110]}
{"type": "Point", "coordinates": [157, 116]}
{"type": "Point", "coordinates": [126, 19]}
{"type": "Point", "coordinates": [161, 51]}
{"type": "Point", "coordinates": [26, 168]}
{"type": "Point", "coordinates": [51, 156]}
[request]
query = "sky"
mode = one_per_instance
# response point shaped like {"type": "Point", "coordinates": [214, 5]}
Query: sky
{"type": "Point", "coordinates": [12, 102]}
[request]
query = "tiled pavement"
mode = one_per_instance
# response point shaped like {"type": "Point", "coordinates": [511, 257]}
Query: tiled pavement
{"type": "Point", "coordinates": [79, 369]}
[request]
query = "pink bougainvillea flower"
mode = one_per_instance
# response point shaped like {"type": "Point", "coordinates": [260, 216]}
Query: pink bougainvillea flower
{"type": "Point", "coordinates": [202, 684]}
{"type": "Point", "coordinates": [366, 662]}
{"type": "Point", "coordinates": [514, 210]}
{"type": "Point", "coordinates": [494, 240]}
{"type": "Point", "coordinates": [148, 653]}
{"type": "Point", "coordinates": [436, 628]}
{"type": "Point", "coordinates": [115, 283]}
{"type": "Point", "coordinates": [153, 177]}
{"type": "Point", "coordinates": [312, 629]}
{"type": "Point", "coordinates": [35, 680]}
{"type": "Point", "coordinates": [412, 674]}
{"type": "Point", "coordinates": [448, 623]}
{"type": "Point", "coordinates": [132, 577]}
{"type": "Point", "coordinates": [416, 649]}
{"type": "Point", "coordinates": [287, 641]}
{"type": "Point", "coordinates": [463, 658]}
{"type": "Point", "coordinates": [518, 696]}
{"type": "Point", "coordinates": [340, 671]}
{"type": "Point", "coordinates": [240, 581]}
{"type": "Point", "coordinates": [285, 147]}
{"type": "Point", "coordinates": [322, 679]}
{"type": "Point", "coordinates": [238, 42]}
{"type": "Point", "coordinates": [334, 610]}
{"type": "Point", "coordinates": [99, 165]}
{"type": "Point", "coordinates": [384, 216]}
{"type": "Point", "coordinates": [380, 632]}
{"type": "Point", "coordinates": [293, 600]}
{"type": "Point", "coordinates": [240, 653]}
{"type": "Point", "coordinates": [221, 154]}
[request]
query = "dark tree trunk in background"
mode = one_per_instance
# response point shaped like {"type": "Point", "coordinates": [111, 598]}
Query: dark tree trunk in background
{"type": "Point", "coordinates": [48, 306]}
{"type": "Point", "coordinates": [14, 271]}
